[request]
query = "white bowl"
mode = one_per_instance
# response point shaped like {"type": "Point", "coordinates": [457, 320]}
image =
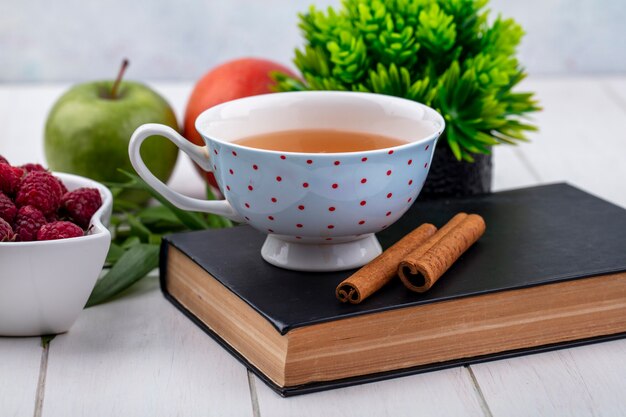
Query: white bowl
{"type": "Point", "coordinates": [45, 285]}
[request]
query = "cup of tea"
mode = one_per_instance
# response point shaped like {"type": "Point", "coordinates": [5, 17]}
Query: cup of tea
{"type": "Point", "coordinates": [319, 172]}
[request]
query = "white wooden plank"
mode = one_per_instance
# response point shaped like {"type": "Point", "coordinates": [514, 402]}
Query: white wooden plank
{"type": "Point", "coordinates": [444, 393]}
{"type": "Point", "coordinates": [580, 141]}
{"type": "Point", "coordinates": [509, 170]}
{"type": "Point", "coordinates": [20, 360]}
{"type": "Point", "coordinates": [581, 137]}
{"type": "Point", "coordinates": [615, 87]}
{"type": "Point", "coordinates": [139, 356]}
{"type": "Point", "coordinates": [584, 381]}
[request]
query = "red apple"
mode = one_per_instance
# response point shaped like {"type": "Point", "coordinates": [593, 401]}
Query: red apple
{"type": "Point", "coordinates": [234, 79]}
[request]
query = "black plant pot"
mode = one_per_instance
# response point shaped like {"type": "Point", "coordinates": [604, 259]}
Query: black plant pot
{"type": "Point", "coordinates": [451, 178]}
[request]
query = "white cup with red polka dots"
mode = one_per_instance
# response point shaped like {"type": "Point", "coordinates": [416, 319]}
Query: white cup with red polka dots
{"type": "Point", "coordinates": [319, 210]}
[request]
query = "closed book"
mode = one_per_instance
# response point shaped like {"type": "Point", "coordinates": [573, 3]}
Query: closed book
{"type": "Point", "coordinates": [549, 272]}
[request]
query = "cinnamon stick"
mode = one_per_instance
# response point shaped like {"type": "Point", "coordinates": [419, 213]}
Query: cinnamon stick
{"type": "Point", "coordinates": [371, 277]}
{"type": "Point", "coordinates": [421, 268]}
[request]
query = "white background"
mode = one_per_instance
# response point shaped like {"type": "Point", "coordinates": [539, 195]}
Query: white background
{"type": "Point", "coordinates": [71, 40]}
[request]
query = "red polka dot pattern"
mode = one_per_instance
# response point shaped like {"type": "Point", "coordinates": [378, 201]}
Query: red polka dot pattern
{"type": "Point", "coordinates": [383, 182]}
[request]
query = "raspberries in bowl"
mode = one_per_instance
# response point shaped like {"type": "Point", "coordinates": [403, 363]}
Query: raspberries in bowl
{"type": "Point", "coordinates": [36, 205]}
{"type": "Point", "coordinates": [53, 243]}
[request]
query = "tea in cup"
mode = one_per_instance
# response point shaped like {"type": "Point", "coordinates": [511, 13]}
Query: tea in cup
{"type": "Point", "coordinates": [319, 172]}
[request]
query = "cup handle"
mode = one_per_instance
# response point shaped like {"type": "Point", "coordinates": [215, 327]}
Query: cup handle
{"type": "Point", "coordinates": [199, 154]}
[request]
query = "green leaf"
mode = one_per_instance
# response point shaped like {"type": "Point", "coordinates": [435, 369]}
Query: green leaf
{"type": "Point", "coordinates": [454, 146]}
{"type": "Point", "coordinates": [133, 265]}
{"type": "Point", "coordinates": [158, 214]}
{"type": "Point", "coordinates": [130, 242]}
{"type": "Point", "coordinates": [226, 222]}
{"type": "Point", "coordinates": [190, 219]}
{"type": "Point", "coordinates": [444, 53]}
{"type": "Point", "coordinates": [138, 229]}
{"type": "Point", "coordinates": [124, 205]}
{"type": "Point", "coordinates": [115, 252]}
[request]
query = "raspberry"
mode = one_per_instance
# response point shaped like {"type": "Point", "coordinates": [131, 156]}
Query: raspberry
{"type": "Point", "coordinates": [3, 160]}
{"type": "Point", "coordinates": [33, 167]}
{"type": "Point", "coordinates": [59, 230]}
{"type": "Point", "coordinates": [6, 232]}
{"type": "Point", "coordinates": [7, 208]}
{"type": "Point", "coordinates": [40, 190]}
{"type": "Point", "coordinates": [10, 178]}
{"type": "Point", "coordinates": [81, 204]}
{"type": "Point", "coordinates": [52, 217]}
{"type": "Point", "coordinates": [27, 223]}
{"type": "Point", "coordinates": [38, 167]}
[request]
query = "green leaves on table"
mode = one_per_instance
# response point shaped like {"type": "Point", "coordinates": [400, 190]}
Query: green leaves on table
{"type": "Point", "coordinates": [134, 264]}
{"type": "Point", "coordinates": [137, 232]}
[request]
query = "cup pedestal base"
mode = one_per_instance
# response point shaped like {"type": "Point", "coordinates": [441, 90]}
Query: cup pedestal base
{"type": "Point", "coordinates": [322, 257]}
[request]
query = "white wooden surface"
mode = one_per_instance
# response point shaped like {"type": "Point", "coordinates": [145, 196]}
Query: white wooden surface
{"type": "Point", "coordinates": [445, 393]}
{"type": "Point", "coordinates": [584, 381]}
{"type": "Point", "coordinates": [20, 363]}
{"type": "Point", "coordinates": [139, 356]}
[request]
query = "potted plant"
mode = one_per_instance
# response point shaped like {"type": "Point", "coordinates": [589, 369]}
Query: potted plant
{"type": "Point", "coordinates": [443, 53]}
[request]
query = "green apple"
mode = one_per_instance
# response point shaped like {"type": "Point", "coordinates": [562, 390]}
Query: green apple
{"type": "Point", "coordinates": [89, 127]}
